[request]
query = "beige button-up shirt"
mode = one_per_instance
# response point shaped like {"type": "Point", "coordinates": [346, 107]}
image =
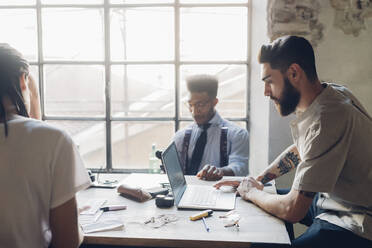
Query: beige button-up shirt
{"type": "Point", "coordinates": [334, 139]}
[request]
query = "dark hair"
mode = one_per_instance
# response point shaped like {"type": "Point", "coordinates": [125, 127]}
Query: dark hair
{"type": "Point", "coordinates": [12, 66]}
{"type": "Point", "coordinates": [286, 50]}
{"type": "Point", "coordinates": [203, 83]}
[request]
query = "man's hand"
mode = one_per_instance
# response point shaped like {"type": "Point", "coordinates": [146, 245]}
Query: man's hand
{"type": "Point", "coordinates": [210, 173]}
{"type": "Point", "coordinates": [234, 184]}
{"type": "Point", "coordinates": [259, 178]}
{"type": "Point", "coordinates": [248, 184]}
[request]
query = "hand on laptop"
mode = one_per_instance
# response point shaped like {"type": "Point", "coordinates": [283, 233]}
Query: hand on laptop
{"type": "Point", "coordinates": [210, 173]}
{"type": "Point", "coordinates": [247, 185]}
{"type": "Point", "coordinates": [233, 183]}
{"type": "Point", "coordinates": [243, 187]}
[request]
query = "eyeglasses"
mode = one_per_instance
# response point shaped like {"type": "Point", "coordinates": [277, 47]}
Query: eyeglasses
{"type": "Point", "coordinates": [198, 105]}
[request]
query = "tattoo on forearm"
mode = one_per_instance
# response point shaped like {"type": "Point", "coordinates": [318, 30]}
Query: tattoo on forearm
{"type": "Point", "coordinates": [308, 194]}
{"type": "Point", "coordinates": [284, 166]}
{"type": "Point", "coordinates": [289, 161]}
{"type": "Point", "coordinates": [268, 177]}
{"type": "Point", "coordinates": [294, 158]}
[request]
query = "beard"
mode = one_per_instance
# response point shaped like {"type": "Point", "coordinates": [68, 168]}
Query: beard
{"type": "Point", "coordinates": [289, 99]}
{"type": "Point", "coordinates": [204, 118]}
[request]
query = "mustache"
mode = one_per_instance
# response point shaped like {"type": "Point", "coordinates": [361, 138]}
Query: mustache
{"type": "Point", "coordinates": [274, 98]}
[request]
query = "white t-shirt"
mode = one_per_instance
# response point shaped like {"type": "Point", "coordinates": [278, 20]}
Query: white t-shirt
{"type": "Point", "coordinates": [334, 137]}
{"type": "Point", "coordinates": [40, 169]}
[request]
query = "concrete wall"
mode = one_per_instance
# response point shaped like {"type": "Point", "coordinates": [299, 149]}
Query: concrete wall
{"type": "Point", "coordinates": [345, 58]}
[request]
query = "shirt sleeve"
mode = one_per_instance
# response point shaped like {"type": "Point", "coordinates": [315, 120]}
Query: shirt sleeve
{"type": "Point", "coordinates": [68, 172]}
{"type": "Point", "coordinates": [324, 153]}
{"type": "Point", "coordinates": [238, 157]}
{"type": "Point", "coordinates": [178, 140]}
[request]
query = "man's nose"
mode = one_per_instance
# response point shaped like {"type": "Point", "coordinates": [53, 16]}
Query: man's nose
{"type": "Point", "coordinates": [267, 91]}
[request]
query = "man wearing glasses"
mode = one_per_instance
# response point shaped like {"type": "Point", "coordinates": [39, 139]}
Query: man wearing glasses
{"type": "Point", "coordinates": [211, 147]}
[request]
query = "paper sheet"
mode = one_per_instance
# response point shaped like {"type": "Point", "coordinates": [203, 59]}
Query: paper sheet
{"type": "Point", "coordinates": [145, 181]}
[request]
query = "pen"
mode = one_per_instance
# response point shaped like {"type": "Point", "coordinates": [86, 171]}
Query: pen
{"type": "Point", "coordinates": [205, 224]}
{"type": "Point", "coordinates": [98, 215]}
{"type": "Point", "coordinates": [113, 208]}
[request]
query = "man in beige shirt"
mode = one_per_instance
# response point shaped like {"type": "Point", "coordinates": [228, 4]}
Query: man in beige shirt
{"type": "Point", "coordinates": [332, 132]}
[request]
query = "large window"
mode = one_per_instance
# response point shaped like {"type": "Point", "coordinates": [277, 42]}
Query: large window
{"type": "Point", "coordinates": [112, 72]}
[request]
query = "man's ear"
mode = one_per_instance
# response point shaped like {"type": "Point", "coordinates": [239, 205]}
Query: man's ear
{"type": "Point", "coordinates": [23, 81]}
{"type": "Point", "coordinates": [294, 73]}
{"type": "Point", "coordinates": [215, 101]}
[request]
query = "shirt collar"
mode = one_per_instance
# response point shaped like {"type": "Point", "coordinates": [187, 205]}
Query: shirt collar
{"type": "Point", "coordinates": [314, 105]}
{"type": "Point", "coordinates": [216, 120]}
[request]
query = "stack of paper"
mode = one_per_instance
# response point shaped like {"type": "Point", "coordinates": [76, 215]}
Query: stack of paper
{"type": "Point", "coordinates": [95, 220]}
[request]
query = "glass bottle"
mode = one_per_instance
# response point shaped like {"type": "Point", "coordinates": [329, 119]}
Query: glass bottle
{"type": "Point", "coordinates": [154, 166]}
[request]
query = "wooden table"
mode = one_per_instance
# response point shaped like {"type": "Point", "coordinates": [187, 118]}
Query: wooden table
{"type": "Point", "coordinates": [255, 224]}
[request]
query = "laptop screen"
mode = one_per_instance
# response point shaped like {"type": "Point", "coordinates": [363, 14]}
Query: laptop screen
{"type": "Point", "coordinates": [174, 171]}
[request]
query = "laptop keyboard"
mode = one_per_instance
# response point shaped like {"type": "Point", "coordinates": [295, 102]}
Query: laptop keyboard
{"type": "Point", "coordinates": [202, 196]}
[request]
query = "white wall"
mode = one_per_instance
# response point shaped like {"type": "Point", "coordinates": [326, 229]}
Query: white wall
{"type": "Point", "coordinates": [259, 105]}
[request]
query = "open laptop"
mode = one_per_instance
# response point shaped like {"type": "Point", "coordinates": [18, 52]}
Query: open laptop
{"type": "Point", "coordinates": [193, 196]}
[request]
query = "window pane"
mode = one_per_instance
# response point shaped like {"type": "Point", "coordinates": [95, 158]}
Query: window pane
{"type": "Point", "coordinates": [214, 33]}
{"type": "Point", "coordinates": [241, 124]}
{"type": "Point", "coordinates": [72, 1]}
{"type": "Point", "coordinates": [132, 141]}
{"type": "Point", "coordinates": [231, 90]}
{"type": "Point", "coordinates": [34, 70]}
{"type": "Point", "coordinates": [89, 136]}
{"type": "Point", "coordinates": [132, 38]}
{"type": "Point", "coordinates": [74, 90]}
{"type": "Point", "coordinates": [184, 124]}
{"type": "Point", "coordinates": [18, 2]}
{"type": "Point", "coordinates": [142, 90]}
{"type": "Point", "coordinates": [73, 34]}
{"type": "Point", "coordinates": [140, 1]}
{"type": "Point", "coordinates": [18, 29]}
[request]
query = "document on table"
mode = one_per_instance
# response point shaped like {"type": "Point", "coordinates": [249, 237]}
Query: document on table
{"type": "Point", "coordinates": [145, 181]}
{"type": "Point", "coordinates": [95, 220]}
{"type": "Point", "coordinates": [107, 221]}
{"type": "Point", "coordinates": [91, 206]}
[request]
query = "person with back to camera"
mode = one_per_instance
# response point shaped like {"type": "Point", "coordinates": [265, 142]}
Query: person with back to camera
{"type": "Point", "coordinates": [332, 132]}
{"type": "Point", "coordinates": [211, 147]}
{"type": "Point", "coordinates": [40, 167]}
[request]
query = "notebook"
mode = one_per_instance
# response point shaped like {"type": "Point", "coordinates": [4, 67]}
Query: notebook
{"type": "Point", "coordinates": [193, 196]}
